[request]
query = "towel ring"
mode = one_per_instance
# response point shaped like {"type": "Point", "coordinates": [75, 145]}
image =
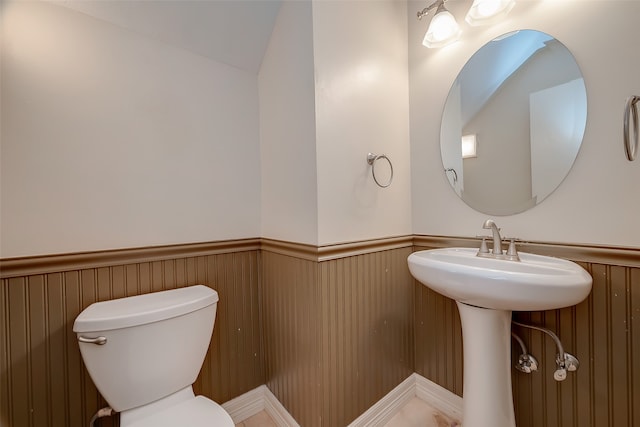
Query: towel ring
{"type": "Point", "coordinates": [631, 144]}
{"type": "Point", "coordinates": [371, 159]}
{"type": "Point", "coordinates": [455, 174]}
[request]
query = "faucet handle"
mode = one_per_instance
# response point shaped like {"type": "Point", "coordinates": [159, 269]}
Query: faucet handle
{"type": "Point", "coordinates": [483, 245]}
{"type": "Point", "coordinates": [512, 251]}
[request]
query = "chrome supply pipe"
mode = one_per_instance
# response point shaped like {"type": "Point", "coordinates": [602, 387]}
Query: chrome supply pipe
{"type": "Point", "coordinates": [107, 411]}
{"type": "Point", "coordinates": [564, 361]}
{"type": "Point", "coordinates": [526, 362]}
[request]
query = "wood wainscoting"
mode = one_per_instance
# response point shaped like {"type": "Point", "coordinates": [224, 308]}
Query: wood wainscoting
{"type": "Point", "coordinates": [338, 326]}
{"type": "Point", "coordinates": [329, 329]}
{"type": "Point", "coordinates": [44, 382]}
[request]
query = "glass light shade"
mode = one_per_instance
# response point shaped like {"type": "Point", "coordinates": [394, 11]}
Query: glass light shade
{"type": "Point", "coordinates": [485, 12]}
{"type": "Point", "coordinates": [443, 29]}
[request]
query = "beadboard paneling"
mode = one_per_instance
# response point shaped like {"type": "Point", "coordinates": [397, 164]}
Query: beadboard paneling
{"type": "Point", "coordinates": [329, 329]}
{"type": "Point", "coordinates": [29, 266]}
{"type": "Point", "coordinates": [338, 333]}
{"type": "Point", "coordinates": [44, 382]}
{"type": "Point", "coordinates": [438, 339]}
{"type": "Point", "coordinates": [603, 332]}
{"type": "Point", "coordinates": [367, 331]}
{"type": "Point", "coordinates": [292, 322]}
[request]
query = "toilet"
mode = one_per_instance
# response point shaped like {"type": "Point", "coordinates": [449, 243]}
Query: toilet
{"type": "Point", "coordinates": [144, 353]}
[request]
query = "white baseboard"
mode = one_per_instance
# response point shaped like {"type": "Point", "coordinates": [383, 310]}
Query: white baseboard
{"type": "Point", "coordinates": [261, 399]}
{"type": "Point", "coordinates": [438, 397]}
{"type": "Point", "coordinates": [257, 400]}
{"type": "Point", "coordinates": [277, 412]}
{"type": "Point", "coordinates": [384, 409]}
{"type": "Point", "coordinates": [246, 405]}
{"type": "Point", "coordinates": [431, 393]}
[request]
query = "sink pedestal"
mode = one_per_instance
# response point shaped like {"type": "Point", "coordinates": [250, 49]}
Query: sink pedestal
{"type": "Point", "coordinates": [487, 399]}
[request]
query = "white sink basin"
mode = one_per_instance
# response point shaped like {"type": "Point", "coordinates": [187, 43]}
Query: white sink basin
{"type": "Point", "coordinates": [534, 283]}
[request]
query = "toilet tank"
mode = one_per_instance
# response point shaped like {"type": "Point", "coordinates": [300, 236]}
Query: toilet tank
{"type": "Point", "coordinates": [154, 343]}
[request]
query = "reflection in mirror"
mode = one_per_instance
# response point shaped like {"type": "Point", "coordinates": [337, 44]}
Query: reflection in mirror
{"type": "Point", "coordinates": [520, 104]}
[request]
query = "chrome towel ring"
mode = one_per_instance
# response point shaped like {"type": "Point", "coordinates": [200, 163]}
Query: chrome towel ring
{"type": "Point", "coordinates": [371, 159]}
{"type": "Point", "coordinates": [455, 174]}
{"type": "Point", "coordinates": [631, 144]}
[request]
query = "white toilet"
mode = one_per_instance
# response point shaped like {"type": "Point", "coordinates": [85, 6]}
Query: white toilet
{"type": "Point", "coordinates": [144, 353]}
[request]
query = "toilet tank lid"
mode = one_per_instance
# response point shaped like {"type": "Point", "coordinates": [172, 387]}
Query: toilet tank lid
{"type": "Point", "coordinates": [143, 309]}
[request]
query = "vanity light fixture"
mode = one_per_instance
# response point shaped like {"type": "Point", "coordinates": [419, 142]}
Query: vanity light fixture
{"type": "Point", "coordinates": [443, 28]}
{"type": "Point", "coordinates": [486, 12]}
{"type": "Point", "coordinates": [469, 146]}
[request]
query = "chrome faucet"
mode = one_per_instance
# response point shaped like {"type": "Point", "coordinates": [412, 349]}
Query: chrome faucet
{"type": "Point", "coordinates": [497, 239]}
{"type": "Point", "coordinates": [496, 252]}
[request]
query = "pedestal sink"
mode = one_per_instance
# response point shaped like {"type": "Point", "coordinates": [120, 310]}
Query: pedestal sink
{"type": "Point", "coordinates": [486, 291]}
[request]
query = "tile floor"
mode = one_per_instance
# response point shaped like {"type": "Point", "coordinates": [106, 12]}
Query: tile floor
{"type": "Point", "coordinates": [261, 419]}
{"type": "Point", "coordinates": [415, 413]}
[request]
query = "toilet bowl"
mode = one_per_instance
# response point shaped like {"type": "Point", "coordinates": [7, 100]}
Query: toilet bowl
{"type": "Point", "coordinates": [144, 352]}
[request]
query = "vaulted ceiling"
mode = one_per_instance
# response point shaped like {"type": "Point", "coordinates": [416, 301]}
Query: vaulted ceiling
{"type": "Point", "coordinates": [235, 32]}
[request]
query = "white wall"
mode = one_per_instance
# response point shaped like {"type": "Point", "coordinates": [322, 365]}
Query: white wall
{"type": "Point", "coordinates": [287, 128]}
{"type": "Point", "coordinates": [334, 87]}
{"type": "Point", "coordinates": [113, 140]}
{"type": "Point", "coordinates": [361, 97]}
{"type": "Point", "coordinates": [599, 201]}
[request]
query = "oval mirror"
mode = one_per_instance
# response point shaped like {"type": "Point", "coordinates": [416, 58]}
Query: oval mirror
{"type": "Point", "coordinates": [513, 122]}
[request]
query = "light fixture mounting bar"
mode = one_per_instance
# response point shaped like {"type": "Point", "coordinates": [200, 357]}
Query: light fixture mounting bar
{"type": "Point", "coordinates": [429, 8]}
